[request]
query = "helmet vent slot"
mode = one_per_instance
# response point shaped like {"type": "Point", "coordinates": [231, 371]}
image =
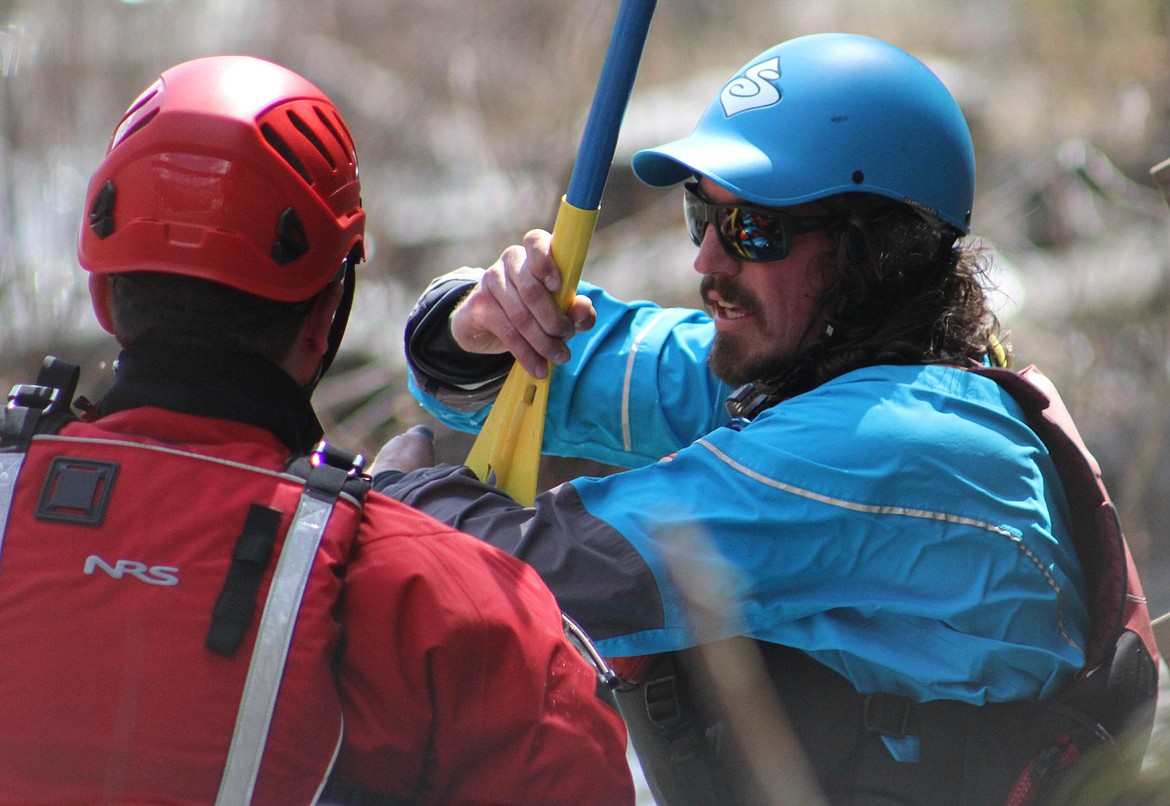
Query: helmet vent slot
{"type": "Point", "coordinates": [285, 151]}
{"type": "Point", "coordinates": [120, 135]}
{"type": "Point", "coordinates": [141, 112]}
{"type": "Point", "coordinates": [150, 93]}
{"type": "Point", "coordinates": [346, 147]}
{"type": "Point", "coordinates": [311, 136]}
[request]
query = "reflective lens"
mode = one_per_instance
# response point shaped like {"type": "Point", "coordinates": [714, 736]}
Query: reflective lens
{"type": "Point", "coordinates": [747, 232]}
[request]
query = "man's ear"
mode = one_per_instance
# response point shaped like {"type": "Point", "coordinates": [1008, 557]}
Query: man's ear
{"type": "Point", "coordinates": [99, 294]}
{"type": "Point", "coordinates": [303, 361]}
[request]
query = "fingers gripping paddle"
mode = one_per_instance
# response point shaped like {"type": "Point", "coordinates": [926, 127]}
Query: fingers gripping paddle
{"type": "Point", "coordinates": [507, 451]}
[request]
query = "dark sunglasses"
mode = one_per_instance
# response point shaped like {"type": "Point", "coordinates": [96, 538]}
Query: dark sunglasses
{"type": "Point", "coordinates": [746, 232]}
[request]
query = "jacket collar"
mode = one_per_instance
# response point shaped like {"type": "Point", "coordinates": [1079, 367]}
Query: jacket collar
{"type": "Point", "coordinates": [221, 382]}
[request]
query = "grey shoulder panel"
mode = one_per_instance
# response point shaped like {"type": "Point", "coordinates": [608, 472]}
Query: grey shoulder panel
{"type": "Point", "coordinates": [597, 576]}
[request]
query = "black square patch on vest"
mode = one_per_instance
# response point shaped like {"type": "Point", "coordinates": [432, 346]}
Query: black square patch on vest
{"type": "Point", "coordinates": [77, 491]}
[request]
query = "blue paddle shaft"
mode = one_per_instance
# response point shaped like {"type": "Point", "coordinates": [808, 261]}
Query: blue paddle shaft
{"type": "Point", "coordinates": [616, 82]}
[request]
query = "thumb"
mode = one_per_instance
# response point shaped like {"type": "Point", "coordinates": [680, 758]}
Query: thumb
{"type": "Point", "coordinates": [410, 450]}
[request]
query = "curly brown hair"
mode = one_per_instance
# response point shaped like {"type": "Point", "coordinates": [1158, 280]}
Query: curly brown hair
{"type": "Point", "coordinates": [903, 290]}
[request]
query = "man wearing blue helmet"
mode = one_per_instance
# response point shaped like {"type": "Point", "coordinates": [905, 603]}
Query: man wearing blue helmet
{"type": "Point", "coordinates": [851, 483]}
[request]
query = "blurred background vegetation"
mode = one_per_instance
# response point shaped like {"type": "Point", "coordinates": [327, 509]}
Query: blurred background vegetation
{"type": "Point", "coordinates": [467, 116]}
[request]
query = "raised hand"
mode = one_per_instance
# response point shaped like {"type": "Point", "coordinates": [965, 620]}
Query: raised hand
{"type": "Point", "coordinates": [514, 309]}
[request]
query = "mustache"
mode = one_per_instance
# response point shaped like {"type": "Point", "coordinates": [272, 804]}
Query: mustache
{"type": "Point", "coordinates": [729, 292]}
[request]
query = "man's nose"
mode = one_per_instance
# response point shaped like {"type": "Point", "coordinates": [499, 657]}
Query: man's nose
{"type": "Point", "coordinates": [712, 258]}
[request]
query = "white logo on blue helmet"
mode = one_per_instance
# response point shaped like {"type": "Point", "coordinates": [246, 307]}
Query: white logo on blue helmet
{"type": "Point", "coordinates": [752, 90]}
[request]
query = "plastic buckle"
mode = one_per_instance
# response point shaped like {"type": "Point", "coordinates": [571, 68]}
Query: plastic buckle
{"type": "Point", "coordinates": [32, 396]}
{"type": "Point", "coordinates": [325, 454]}
{"type": "Point", "coordinates": [662, 705]}
{"type": "Point", "coordinates": [887, 714]}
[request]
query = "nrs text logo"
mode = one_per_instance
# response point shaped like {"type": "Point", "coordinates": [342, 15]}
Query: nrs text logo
{"type": "Point", "coordinates": [151, 575]}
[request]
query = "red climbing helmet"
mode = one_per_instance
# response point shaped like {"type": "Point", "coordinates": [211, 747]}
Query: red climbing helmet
{"type": "Point", "coordinates": [230, 169]}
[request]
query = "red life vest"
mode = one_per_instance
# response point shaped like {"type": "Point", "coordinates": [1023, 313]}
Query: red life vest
{"type": "Point", "coordinates": [162, 610]}
{"type": "Point", "coordinates": [1114, 694]}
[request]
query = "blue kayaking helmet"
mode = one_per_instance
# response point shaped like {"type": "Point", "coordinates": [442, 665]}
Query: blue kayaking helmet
{"type": "Point", "coordinates": [827, 114]}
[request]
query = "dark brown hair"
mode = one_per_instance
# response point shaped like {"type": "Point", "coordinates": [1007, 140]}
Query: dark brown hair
{"type": "Point", "coordinates": [903, 290]}
{"type": "Point", "coordinates": [173, 309]}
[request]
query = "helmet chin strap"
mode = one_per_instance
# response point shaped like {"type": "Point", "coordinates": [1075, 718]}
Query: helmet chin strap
{"type": "Point", "coordinates": [340, 320]}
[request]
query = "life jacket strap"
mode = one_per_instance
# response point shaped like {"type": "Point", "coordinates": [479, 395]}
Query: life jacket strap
{"type": "Point", "coordinates": [324, 481]}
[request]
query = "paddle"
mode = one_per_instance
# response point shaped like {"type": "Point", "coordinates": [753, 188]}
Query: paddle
{"type": "Point", "coordinates": [507, 451]}
{"type": "Point", "coordinates": [1161, 176]}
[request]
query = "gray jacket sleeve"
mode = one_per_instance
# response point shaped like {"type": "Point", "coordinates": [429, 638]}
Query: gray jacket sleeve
{"type": "Point", "coordinates": [597, 576]}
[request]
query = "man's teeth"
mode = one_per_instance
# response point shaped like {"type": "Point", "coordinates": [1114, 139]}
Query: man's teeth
{"type": "Point", "coordinates": [730, 311]}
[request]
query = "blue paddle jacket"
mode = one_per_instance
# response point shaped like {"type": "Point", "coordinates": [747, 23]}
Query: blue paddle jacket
{"type": "Point", "coordinates": [900, 524]}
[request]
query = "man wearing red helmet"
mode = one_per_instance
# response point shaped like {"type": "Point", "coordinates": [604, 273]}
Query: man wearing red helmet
{"type": "Point", "coordinates": [202, 600]}
{"type": "Point", "coordinates": [908, 532]}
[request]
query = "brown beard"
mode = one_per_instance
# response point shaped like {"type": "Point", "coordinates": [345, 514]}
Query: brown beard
{"type": "Point", "coordinates": [727, 358]}
{"type": "Point", "coordinates": [728, 361]}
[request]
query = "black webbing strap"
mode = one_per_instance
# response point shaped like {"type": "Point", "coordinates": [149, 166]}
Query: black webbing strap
{"type": "Point", "coordinates": [670, 741]}
{"type": "Point", "coordinates": [236, 604]}
{"type": "Point", "coordinates": [327, 472]}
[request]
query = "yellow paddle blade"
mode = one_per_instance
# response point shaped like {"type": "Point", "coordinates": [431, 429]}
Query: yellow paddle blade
{"type": "Point", "coordinates": [507, 450]}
